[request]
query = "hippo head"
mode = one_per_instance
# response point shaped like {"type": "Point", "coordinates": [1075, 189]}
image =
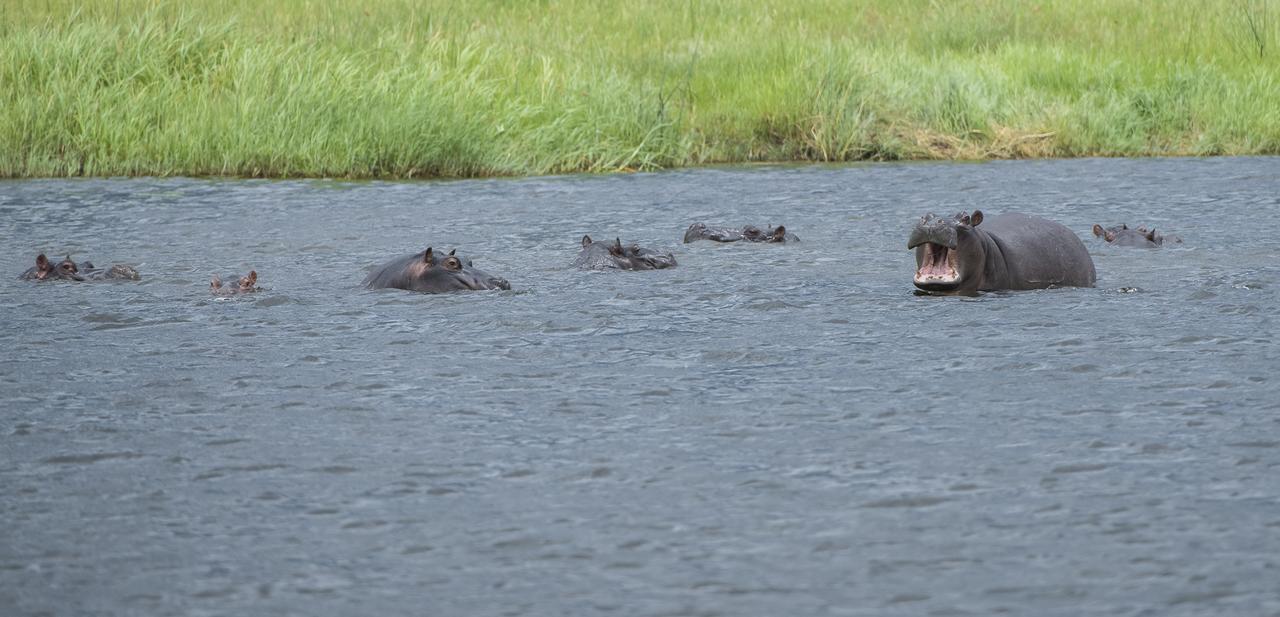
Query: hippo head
{"type": "Point", "coordinates": [696, 231]}
{"type": "Point", "coordinates": [1121, 235]}
{"type": "Point", "coordinates": [247, 283]}
{"type": "Point", "coordinates": [751, 233]}
{"type": "Point", "coordinates": [597, 255]}
{"type": "Point", "coordinates": [432, 273]}
{"type": "Point", "coordinates": [47, 270]}
{"type": "Point", "coordinates": [950, 256]}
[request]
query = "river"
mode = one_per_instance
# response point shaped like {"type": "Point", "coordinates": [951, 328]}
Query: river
{"type": "Point", "coordinates": [762, 430]}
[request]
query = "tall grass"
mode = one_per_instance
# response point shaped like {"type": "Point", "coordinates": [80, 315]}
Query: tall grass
{"type": "Point", "coordinates": [408, 88]}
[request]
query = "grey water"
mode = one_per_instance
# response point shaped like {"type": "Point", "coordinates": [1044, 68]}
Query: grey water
{"type": "Point", "coordinates": [762, 430]}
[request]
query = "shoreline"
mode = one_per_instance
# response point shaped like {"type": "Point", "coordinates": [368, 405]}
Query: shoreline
{"type": "Point", "coordinates": [725, 165]}
{"type": "Point", "coordinates": [432, 89]}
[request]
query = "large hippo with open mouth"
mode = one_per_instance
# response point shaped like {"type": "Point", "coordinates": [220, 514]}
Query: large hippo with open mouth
{"type": "Point", "coordinates": [431, 273]}
{"type": "Point", "coordinates": [967, 253]}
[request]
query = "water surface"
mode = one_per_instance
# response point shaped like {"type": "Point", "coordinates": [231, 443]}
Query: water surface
{"type": "Point", "coordinates": [764, 430]}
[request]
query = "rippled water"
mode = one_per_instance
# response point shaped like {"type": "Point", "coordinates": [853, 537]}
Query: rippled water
{"type": "Point", "coordinates": [764, 430]}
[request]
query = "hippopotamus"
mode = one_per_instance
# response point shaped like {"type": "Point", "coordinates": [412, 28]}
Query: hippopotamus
{"type": "Point", "coordinates": [964, 255]}
{"type": "Point", "coordinates": [247, 284]}
{"type": "Point", "coordinates": [427, 272]}
{"type": "Point", "coordinates": [46, 270]}
{"type": "Point", "coordinates": [1121, 235]}
{"type": "Point", "coordinates": [603, 255]}
{"type": "Point", "coordinates": [68, 270]}
{"type": "Point", "coordinates": [749, 233]}
{"type": "Point", "coordinates": [117, 272]}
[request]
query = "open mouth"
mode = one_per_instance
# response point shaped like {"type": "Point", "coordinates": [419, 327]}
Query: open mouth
{"type": "Point", "coordinates": [938, 268]}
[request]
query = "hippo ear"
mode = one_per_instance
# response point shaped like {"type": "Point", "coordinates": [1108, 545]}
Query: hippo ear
{"type": "Point", "coordinates": [1098, 230]}
{"type": "Point", "coordinates": [586, 241]}
{"type": "Point", "coordinates": [452, 252]}
{"type": "Point", "coordinates": [1151, 235]}
{"type": "Point", "coordinates": [216, 283]}
{"type": "Point", "coordinates": [42, 262]}
{"type": "Point", "coordinates": [975, 219]}
{"type": "Point", "coordinates": [429, 258]}
{"type": "Point", "coordinates": [253, 277]}
{"type": "Point", "coordinates": [616, 249]}
{"type": "Point", "coordinates": [780, 231]}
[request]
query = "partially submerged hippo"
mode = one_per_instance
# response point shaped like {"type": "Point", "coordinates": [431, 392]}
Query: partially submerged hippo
{"type": "Point", "coordinates": [749, 233]}
{"type": "Point", "coordinates": [1121, 235]}
{"type": "Point", "coordinates": [1009, 251]}
{"type": "Point", "coordinates": [430, 273]}
{"type": "Point", "coordinates": [46, 270]}
{"type": "Point", "coordinates": [246, 284]}
{"type": "Point", "coordinates": [604, 255]}
{"type": "Point", "coordinates": [68, 270]}
{"type": "Point", "coordinates": [117, 272]}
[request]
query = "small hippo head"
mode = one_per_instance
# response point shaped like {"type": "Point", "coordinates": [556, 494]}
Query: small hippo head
{"type": "Point", "coordinates": [432, 273]}
{"type": "Point", "coordinates": [601, 255]}
{"type": "Point", "coordinates": [949, 254]}
{"type": "Point", "coordinates": [1121, 235]}
{"type": "Point", "coordinates": [46, 270]}
{"type": "Point", "coordinates": [751, 233]}
{"type": "Point", "coordinates": [246, 284]}
{"type": "Point", "coordinates": [696, 231]}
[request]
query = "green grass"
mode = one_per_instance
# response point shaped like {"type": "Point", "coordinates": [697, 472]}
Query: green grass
{"type": "Point", "coordinates": [401, 88]}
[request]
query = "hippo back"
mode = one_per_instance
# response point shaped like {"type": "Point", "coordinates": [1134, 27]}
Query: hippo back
{"type": "Point", "coordinates": [1040, 253]}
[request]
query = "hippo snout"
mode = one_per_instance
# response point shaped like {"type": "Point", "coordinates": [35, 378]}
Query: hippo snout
{"type": "Point", "coordinates": [496, 282]}
{"type": "Point", "coordinates": [931, 232]}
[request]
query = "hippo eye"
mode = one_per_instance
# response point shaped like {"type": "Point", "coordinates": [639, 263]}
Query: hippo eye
{"type": "Point", "coordinates": [453, 263]}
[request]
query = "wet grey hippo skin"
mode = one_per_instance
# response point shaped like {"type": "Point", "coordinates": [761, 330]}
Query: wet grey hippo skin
{"type": "Point", "coordinates": [430, 273]}
{"type": "Point", "coordinates": [967, 254]}
{"type": "Point", "coordinates": [1121, 235]}
{"type": "Point", "coordinates": [246, 284]}
{"type": "Point", "coordinates": [749, 233]}
{"type": "Point", "coordinates": [68, 270]}
{"type": "Point", "coordinates": [117, 272]}
{"type": "Point", "coordinates": [606, 255]}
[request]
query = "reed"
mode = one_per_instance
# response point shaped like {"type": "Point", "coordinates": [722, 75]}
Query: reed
{"type": "Point", "coordinates": [407, 88]}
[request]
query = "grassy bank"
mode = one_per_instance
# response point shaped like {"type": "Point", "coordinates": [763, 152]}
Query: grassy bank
{"type": "Point", "coordinates": [441, 88]}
